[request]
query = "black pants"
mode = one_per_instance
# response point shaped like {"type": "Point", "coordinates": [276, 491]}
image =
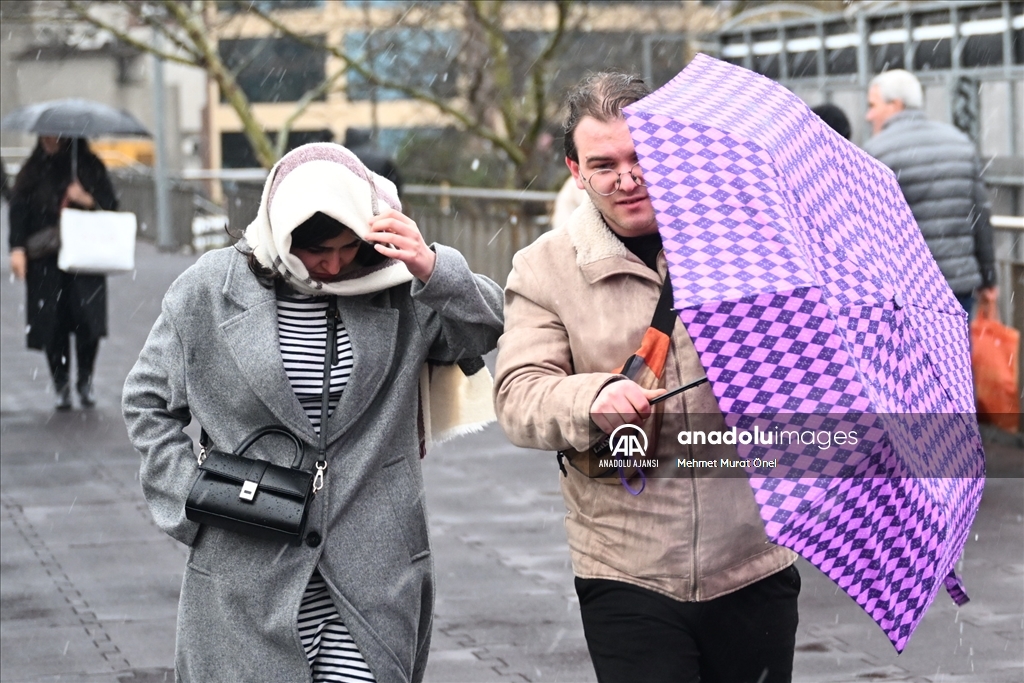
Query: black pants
{"type": "Point", "coordinates": [58, 349]}
{"type": "Point", "coordinates": [635, 634]}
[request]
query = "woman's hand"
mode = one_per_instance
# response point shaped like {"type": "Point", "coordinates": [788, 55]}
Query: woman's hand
{"type": "Point", "coordinates": [396, 236]}
{"type": "Point", "coordinates": [19, 263]}
{"type": "Point", "coordinates": [77, 196]}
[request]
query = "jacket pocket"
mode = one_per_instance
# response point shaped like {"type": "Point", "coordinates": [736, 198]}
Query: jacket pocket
{"type": "Point", "coordinates": [407, 503]}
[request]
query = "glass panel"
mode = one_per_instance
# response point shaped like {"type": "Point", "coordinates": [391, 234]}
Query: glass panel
{"type": "Point", "coordinates": [273, 69]}
{"type": "Point", "coordinates": [885, 57]}
{"type": "Point", "coordinates": [841, 57]}
{"type": "Point", "coordinates": [236, 152]}
{"type": "Point", "coordinates": [231, 7]}
{"type": "Point", "coordinates": [802, 62]}
{"type": "Point", "coordinates": [842, 61]}
{"type": "Point", "coordinates": [419, 58]}
{"type": "Point", "coordinates": [767, 65]}
{"type": "Point", "coordinates": [933, 54]}
{"type": "Point", "coordinates": [984, 50]}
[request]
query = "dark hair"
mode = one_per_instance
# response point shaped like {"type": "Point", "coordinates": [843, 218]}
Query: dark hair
{"type": "Point", "coordinates": [601, 96]}
{"type": "Point", "coordinates": [834, 117]}
{"type": "Point", "coordinates": [312, 232]}
{"type": "Point", "coordinates": [316, 230]}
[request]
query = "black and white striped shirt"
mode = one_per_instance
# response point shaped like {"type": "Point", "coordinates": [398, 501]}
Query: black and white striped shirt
{"type": "Point", "coordinates": [302, 329]}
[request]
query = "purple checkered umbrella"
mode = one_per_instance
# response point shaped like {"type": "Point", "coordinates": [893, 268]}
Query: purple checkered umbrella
{"type": "Point", "coordinates": [816, 308]}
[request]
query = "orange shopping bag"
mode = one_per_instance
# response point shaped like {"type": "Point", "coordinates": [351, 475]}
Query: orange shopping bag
{"type": "Point", "coordinates": [994, 361]}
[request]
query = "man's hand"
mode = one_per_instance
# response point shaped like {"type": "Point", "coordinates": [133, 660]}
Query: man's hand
{"type": "Point", "coordinates": [19, 263]}
{"type": "Point", "coordinates": [988, 295]}
{"type": "Point", "coordinates": [622, 402]}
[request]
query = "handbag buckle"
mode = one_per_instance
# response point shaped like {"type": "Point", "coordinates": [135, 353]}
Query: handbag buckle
{"type": "Point", "coordinates": [248, 491]}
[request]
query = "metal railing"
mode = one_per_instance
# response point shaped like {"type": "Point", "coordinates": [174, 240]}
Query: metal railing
{"type": "Point", "coordinates": [487, 226]}
{"type": "Point", "coordinates": [137, 193]}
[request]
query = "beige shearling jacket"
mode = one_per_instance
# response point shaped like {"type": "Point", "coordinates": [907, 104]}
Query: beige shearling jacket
{"type": "Point", "coordinates": [577, 305]}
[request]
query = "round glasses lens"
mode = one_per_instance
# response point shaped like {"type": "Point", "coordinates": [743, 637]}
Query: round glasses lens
{"type": "Point", "coordinates": [638, 175]}
{"type": "Point", "coordinates": [605, 182]}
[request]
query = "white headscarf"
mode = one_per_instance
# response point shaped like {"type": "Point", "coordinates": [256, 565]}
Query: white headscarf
{"type": "Point", "coordinates": [328, 178]}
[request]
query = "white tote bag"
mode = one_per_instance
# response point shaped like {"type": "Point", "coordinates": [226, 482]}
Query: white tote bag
{"type": "Point", "coordinates": [97, 241]}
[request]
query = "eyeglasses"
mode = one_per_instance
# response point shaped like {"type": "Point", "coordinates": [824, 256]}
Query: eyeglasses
{"type": "Point", "coordinates": [606, 182]}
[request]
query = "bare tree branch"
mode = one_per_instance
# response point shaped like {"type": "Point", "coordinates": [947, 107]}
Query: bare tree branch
{"type": "Point", "coordinates": [300, 108]}
{"type": "Point", "coordinates": [502, 71]}
{"type": "Point", "coordinates": [476, 127]}
{"type": "Point", "coordinates": [193, 26]}
{"type": "Point", "coordinates": [539, 76]}
{"type": "Point", "coordinates": [137, 10]}
{"type": "Point", "coordinates": [124, 37]}
{"type": "Point", "coordinates": [486, 100]}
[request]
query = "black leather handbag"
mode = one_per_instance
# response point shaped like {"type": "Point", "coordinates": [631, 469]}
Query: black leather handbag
{"type": "Point", "coordinates": [256, 497]}
{"type": "Point", "coordinates": [251, 496]}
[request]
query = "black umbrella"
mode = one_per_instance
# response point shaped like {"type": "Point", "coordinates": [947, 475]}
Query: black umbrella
{"type": "Point", "coordinates": [73, 118]}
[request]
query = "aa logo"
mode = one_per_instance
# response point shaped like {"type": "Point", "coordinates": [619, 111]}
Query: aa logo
{"type": "Point", "coordinates": [628, 441]}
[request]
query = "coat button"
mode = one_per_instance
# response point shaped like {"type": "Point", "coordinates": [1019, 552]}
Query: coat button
{"type": "Point", "coordinates": [312, 539]}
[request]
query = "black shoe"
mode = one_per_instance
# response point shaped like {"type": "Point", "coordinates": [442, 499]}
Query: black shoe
{"type": "Point", "coordinates": [63, 398]}
{"type": "Point", "coordinates": [85, 393]}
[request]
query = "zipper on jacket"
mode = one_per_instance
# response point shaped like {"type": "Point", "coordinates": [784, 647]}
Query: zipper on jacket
{"type": "Point", "coordinates": [694, 592]}
{"type": "Point", "coordinates": [694, 517]}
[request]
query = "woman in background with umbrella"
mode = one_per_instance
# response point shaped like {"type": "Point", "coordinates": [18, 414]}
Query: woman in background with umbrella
{"type": "Point", "coordinates": [59, 304]}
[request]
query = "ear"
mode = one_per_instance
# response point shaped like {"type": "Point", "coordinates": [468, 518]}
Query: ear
{"type": "Point", "coordinates": [574, 168]}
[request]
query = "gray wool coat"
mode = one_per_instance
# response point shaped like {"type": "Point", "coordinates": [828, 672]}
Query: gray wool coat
{"type": "Point", "coordinates": [939, 173]}
{"type": "Point", "coordinates": [213, 355]}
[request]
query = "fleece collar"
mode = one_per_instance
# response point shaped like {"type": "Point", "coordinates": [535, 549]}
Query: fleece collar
{"type": "Point", "coordinates": [599, 252]}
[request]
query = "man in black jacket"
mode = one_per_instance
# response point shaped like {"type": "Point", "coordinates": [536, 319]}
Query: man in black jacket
{"type": "Point", "coordinates": [939, 171]}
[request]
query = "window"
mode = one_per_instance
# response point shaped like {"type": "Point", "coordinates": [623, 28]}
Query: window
{"type": "Point", "coordinates": [274, 69]}
{"type": "Point", "coordinates": [378, 4]}
{"type": "Point", "coordinates": [231, 7]}
{"type": "Point", "coordinates": [236, 152]}
{"type": "Point", "coordinates": [419, 58]}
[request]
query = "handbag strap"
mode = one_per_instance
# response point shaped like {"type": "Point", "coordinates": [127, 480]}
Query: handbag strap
{"type": "Point", "coordinates": [330, 359]}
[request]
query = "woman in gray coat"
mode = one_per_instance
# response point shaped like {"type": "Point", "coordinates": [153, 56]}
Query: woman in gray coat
{"type": "Point", "coordinates": [239, 336]}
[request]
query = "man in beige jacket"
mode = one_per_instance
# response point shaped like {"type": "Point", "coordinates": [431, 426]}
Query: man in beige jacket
{"type": "Point", "coordinates": [679, 582]}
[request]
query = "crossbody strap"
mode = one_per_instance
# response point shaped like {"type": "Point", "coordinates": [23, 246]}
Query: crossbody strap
{"type": "Point", "coordinates": [330, 359]}
{"type": "Point", "coordinates": [663, 320]}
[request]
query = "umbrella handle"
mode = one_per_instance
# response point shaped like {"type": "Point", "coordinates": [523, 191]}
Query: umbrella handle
{"type": "Point", "coordinates": [677, 390]}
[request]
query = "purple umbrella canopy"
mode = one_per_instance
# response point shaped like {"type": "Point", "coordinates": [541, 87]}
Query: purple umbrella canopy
{"type": "Point", "coordinates": [816, 308]}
